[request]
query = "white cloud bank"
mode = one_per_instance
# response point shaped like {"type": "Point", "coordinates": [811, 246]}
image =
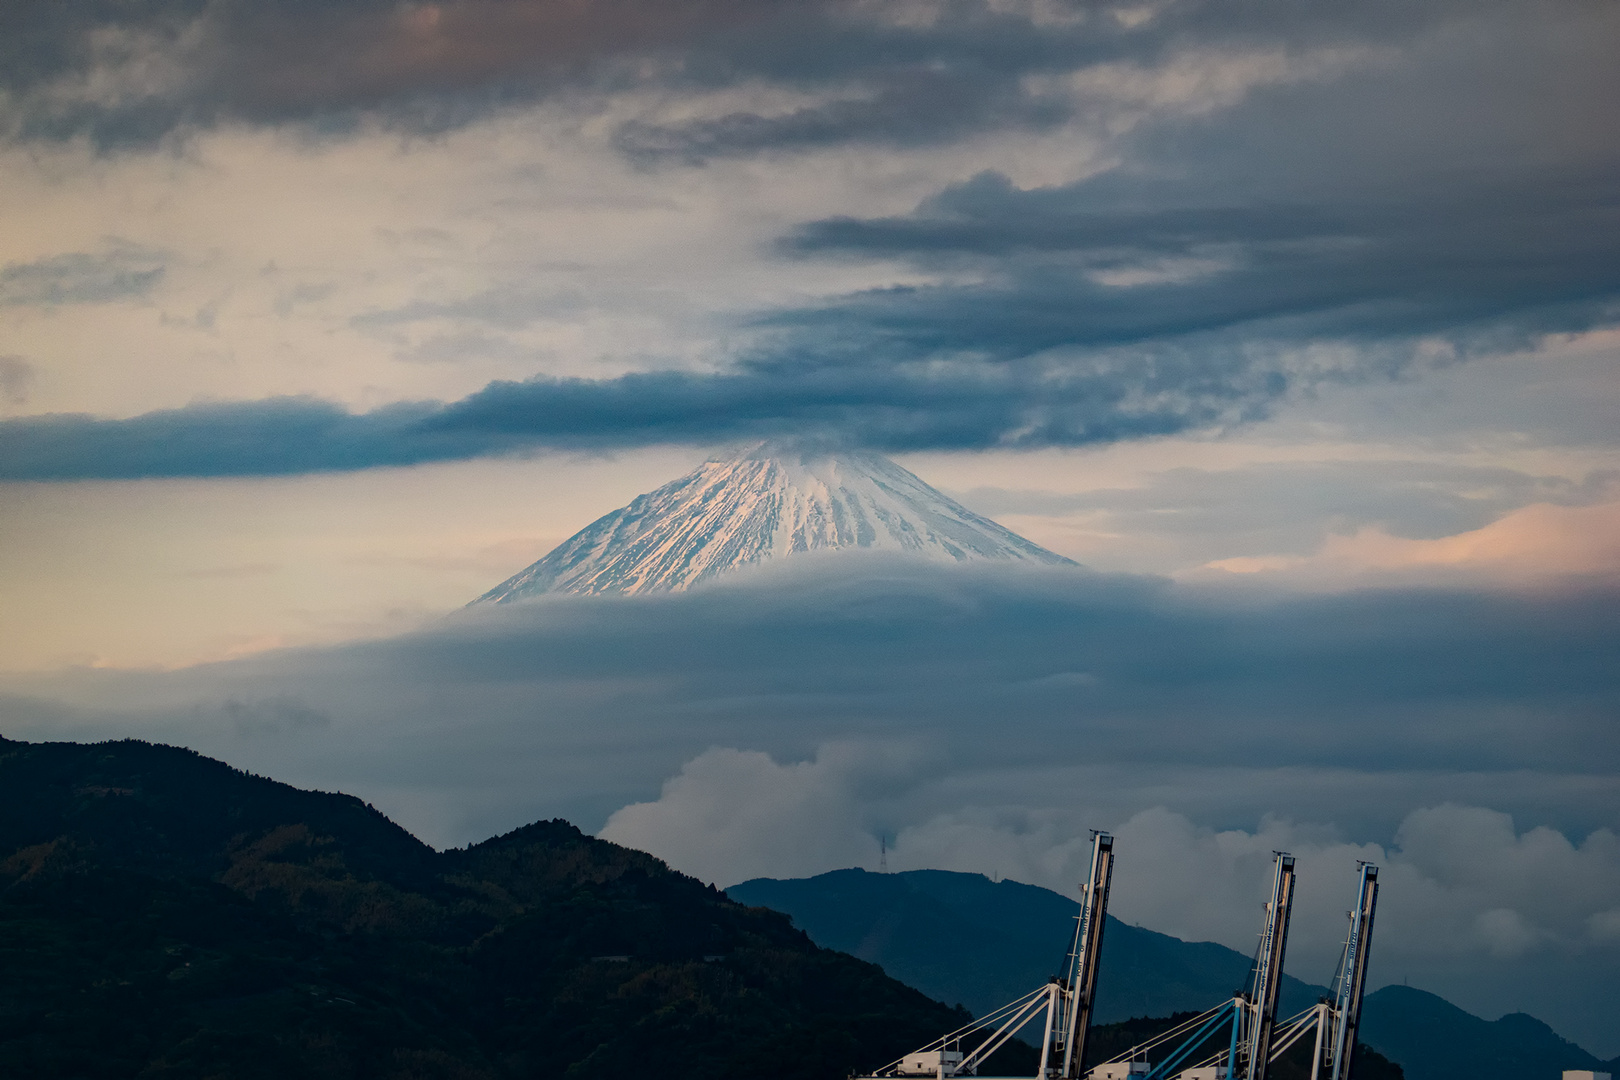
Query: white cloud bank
{"type": "Point", "coordinates": [1465, 895]}
{"type": "Point", "coordinates": [1458, 879]}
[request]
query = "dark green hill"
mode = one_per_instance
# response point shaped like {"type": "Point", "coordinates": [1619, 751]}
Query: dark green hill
{"type": "Point", "coordinates": [964, 938]}
{"type": "Point", "coordinates": [1435, 1040]}
{"type": "Point", "coordinates": [164, 915]}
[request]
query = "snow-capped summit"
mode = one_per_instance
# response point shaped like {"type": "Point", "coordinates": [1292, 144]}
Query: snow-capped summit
{"type": "Point", "coordinates": [765, 503]}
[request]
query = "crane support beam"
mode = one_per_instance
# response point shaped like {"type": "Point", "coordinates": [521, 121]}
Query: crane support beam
{"type": "Point", "coordinates": [1268, 978]}
{"type": "Point", "coordinates": [1193, 1042]}
{"type": "Point", "coordinates": [1353, 980]}
{"type": "Point", "coordinates": [1087, 954]}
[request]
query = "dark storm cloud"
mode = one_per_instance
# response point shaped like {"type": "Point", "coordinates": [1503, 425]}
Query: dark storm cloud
{"type": "Point", "coordinates": [122, 272]}
{"type": "Point", "coordinates": [978, 374]}
{"type": "Point", "coordinates": [914, 645]}
{"type": "Point", "coordinates": [1464, 191]}
{"type": "Point", "coordinates": [897, 408]}
{"type": "Point", "coordinates": [278, 436]}
{"type": "Point", "coordinates": [1079, 322]}
{"type": "Point", "coordinates": [1071, 267]}
{"type": "Point", "coordinates": [570, 702]}
{"type": "Point", "coordinates": [131, 71]}
{"type": "Point", "coordinates": [1457, 196]}
{"type": "Point", "coordinates": [892, 77]}
{"type": "Point", "coordinates": [916, 107]}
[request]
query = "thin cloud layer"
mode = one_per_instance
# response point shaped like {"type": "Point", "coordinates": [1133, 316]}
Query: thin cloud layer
{"type": "Point", "coordinates": [1339, 523]}
{"type": "Point", "coordinates": [1536, 545]}
{"type": "Point", "coordinates": [123, 272]}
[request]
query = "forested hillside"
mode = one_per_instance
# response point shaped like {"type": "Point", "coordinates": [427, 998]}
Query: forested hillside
{"type": "Point", "coordinates": [165, 915]}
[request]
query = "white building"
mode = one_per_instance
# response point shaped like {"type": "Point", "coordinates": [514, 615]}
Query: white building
{"type": "Point", "coordinates": [1119, 1070]}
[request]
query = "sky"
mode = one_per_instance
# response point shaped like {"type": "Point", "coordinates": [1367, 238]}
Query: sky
{"type": "Point", "coordinates": [1297, 326]}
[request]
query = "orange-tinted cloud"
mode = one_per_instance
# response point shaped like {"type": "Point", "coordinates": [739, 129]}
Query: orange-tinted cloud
{"type": "Point", "coordinates": [1540, 544]}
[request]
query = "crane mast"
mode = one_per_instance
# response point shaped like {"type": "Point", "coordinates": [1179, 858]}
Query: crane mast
{"type": "Point", "coordinates": [1352, 982]}
{"type": "Point", "coordinates": [1083, 959]}
{"type": "Point", "coordinates": [1268, 975]}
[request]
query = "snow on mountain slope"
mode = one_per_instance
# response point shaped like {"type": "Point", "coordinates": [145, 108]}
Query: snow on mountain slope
{"type": "Point", "coordinates": [766, 503]}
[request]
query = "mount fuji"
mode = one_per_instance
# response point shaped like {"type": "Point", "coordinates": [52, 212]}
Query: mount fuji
{"type": "Point", "coordinates": [768, 502]}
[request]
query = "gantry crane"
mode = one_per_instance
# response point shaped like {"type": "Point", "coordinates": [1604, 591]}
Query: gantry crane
{"type": "Point", "coordinates": [1066, 1000]}
{"type": "Point", "coordinates": [1236, 1040]}
{"type": "Point", "coordinates": [1256, 1038]}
